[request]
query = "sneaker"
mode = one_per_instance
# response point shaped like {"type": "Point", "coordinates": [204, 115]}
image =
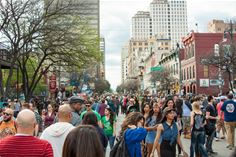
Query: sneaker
{"type": "Point", "coordinates": [217, 139]}
{"type": "Point", "coordinates": [212, 152]}
{"type": "Point", "coordinates": [231, 148]}
{"type": "Point", "coordinates": [223, 137]}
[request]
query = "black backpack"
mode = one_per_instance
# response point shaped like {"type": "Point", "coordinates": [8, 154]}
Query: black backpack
{"type": "Point", "coordinates": [120, 149]}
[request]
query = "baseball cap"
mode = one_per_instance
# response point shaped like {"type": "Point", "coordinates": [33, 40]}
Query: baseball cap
{"type": "Point", "coordinates": [76, 99]}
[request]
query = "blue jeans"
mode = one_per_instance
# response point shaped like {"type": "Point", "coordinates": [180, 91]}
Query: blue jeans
{"type": "Point", "coordinates": [111, 140]}
{"type": "Point", "coordinates": [197, 143]}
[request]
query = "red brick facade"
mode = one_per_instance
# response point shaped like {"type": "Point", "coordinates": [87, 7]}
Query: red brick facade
{"type": "Point", "coordinates": [194, 73]}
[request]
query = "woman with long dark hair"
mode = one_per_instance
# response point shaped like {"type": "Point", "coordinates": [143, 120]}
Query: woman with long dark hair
{"type": "Point", "coordinates": [152, 122]}
{"type": "Point", "coordinates": [134, 133]}
{"type": "Point", "coordinates": [83, 141]}
{"type": "Point", "coordinates": [49, 116]}
{"type": "Point", "coordinates": [169, 103]}
{"type": "Point", "coordinates": [167, 131]}
{"type": "Point", "coordinates": [146, 109]}
{"type": "Point", "coordinates": [91, 119]}
{"type": "Point", "coordinates": [109, 125]}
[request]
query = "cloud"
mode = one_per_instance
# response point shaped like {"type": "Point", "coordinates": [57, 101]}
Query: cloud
{"type": "Point", "coordinates": [116, 18]}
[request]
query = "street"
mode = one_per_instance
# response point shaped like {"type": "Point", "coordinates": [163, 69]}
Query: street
{"type": "Point", "coordinates": [218, 146]}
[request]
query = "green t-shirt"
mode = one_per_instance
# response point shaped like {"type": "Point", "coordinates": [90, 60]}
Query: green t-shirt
{"type": "Point", "coordinates": [96, 113]}
{"type": "Point", "coordinates": [108, 128]}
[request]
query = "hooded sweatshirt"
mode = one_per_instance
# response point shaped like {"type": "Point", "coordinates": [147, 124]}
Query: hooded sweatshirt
{"type": "Point", "coordinates": [56, 134]}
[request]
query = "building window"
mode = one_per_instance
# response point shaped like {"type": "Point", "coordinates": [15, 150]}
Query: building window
{"type": "Point", "coordinates": [134, 44]}
{"type": "Point", "coordinates": [177, 68]}
{"type": "Point", "coordinates": [187, 74]}
{"type": "Point", "coordinates": [140, 44]}
{"type": "Point", "coordinates": [190, 72]}
{"type": "Point", "coordinates": [193, 72]}
{"type": "Point", "coordinates": [205, 71]}
{"type": "Point", "coordinates": [184, 75]}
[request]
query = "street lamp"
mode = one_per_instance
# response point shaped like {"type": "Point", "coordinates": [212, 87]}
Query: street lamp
{"type": "Point", "coordinates": [217, 54]}
{"type": "Point", "coordinates": [180, 71]}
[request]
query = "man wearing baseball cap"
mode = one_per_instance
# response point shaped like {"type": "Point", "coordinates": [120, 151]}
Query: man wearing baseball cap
{"type": "Point", "coordinates": [76, 103]}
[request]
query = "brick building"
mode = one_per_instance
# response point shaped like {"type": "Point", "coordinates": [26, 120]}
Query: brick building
{"type": "Point", "coordinates": [196, 77]}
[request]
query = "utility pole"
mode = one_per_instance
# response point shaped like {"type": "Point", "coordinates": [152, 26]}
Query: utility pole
{"type": "Point", "coordinates": [180, 71]}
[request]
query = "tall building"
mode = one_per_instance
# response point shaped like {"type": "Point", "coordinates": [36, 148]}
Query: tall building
{"type": "Point", "coordinates": [169, 19]}
{"type": "Point", "coordinates": [88, 10]}
{"type": "Point", "coordinates": [124, 62]}
{"type": "Point", "coordinates": [141, 25]}
{"type": "Point", "coordinates": [103, 50]}
{"type": "Point", "coordinates": [138, 50]}
{"type": "Point", "coordinates": [219, 26]}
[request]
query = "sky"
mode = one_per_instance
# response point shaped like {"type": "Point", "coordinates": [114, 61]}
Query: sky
{"type": "Point", "coordinates": [116, 19]}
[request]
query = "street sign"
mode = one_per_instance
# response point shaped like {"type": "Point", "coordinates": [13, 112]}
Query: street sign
{"type": "Point", "coordinates": [52, 83]}
{"type": "Point", "coordinates": [156, 68]}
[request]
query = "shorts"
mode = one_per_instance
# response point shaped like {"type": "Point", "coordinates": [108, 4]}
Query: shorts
{"type": "Point", "coordinates": [150, 138]}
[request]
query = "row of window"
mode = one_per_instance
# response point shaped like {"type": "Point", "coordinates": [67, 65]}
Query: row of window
{"type": "Point", "coordinates": [140, 43]}
{"type": "Point", "coordinates": [188, 73]}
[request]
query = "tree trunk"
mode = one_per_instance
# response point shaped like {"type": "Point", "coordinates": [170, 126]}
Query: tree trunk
{"type": "Point", "coordinates": [230, 81]}
{"type": "Point", "coordinates": [8, 82]}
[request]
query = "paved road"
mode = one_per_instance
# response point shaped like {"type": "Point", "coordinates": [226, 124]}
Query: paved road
{"type": "Point", "coordinates": [218, 146]}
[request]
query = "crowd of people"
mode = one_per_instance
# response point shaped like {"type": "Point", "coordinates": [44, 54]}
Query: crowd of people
{"type": "Point", "coordinates": [85, 127]}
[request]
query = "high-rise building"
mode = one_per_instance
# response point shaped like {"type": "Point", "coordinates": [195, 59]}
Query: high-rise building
{"type": "Point", "coordinates": [169, 19]}
{"type": "Point", "coordinates": [124, 62]}
{"type": "Point", "coordinates": [102, 49]}
{"type": "Point", "coordinates": [141, 25]}
{"type": "Point", "coordinates": [219, 26]}
{"type": "Point", "coordinates": [88, 10]}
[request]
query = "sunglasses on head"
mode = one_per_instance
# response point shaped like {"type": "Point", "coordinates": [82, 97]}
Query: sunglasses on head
{"type": "Point", "coordinates": [7, 114]}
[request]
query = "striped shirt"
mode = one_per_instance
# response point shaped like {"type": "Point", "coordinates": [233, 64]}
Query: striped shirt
{"type": "Point", "coordinates": [25, 146]}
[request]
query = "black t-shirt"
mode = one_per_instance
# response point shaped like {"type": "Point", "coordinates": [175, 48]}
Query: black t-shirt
{"type": "Point", "coordinates": [213, 113]}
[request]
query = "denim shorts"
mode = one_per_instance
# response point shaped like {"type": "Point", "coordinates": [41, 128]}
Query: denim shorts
{"type": "Point", "coordinates": [151, 135]}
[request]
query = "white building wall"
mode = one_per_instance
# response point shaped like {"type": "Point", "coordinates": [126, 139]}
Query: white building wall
{"type": "Point", "coordinates": [169, 19]}
{"type": "Point", "coordinates": [141, 26]}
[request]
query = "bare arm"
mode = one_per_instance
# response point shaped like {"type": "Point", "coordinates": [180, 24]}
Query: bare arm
{"type": "Point", "coordinates": [156, 142]}
{"type": "Point", "coordinates": [114, 128]}
{"type": "Point", "coordinates": [192, 119]}
{"type": "Point", "coordinates": [210, 117]}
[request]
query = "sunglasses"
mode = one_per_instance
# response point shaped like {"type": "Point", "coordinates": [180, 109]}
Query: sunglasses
{"type": "Point", "coordinates": [87, 105]}
{"type": "Point", "coordinates": [7, 114]}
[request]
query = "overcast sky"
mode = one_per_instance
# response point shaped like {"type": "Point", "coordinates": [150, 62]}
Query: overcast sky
{"type": "Point", "coordinates": [115, 25]}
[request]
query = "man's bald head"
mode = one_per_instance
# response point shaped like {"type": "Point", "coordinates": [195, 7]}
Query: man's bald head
{"type": "Point", "coordinates": [26, 119]}
{"type": "Point", "coordinates": [64, 113]}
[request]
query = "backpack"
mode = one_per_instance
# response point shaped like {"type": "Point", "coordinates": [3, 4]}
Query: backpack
{"type": "Point", "coordinates": [120, 149]}
{"type": "Point", "coordinates": [199, 121]}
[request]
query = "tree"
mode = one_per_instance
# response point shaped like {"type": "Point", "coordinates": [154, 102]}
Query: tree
{"type": "Point", "coordinates": [164, 78]}
{"type": "Point", "coordinates": [101, 86]}
{"type": "Point", "coordinates": [225, 60]}
{"type": "Point", "coordinates": [44, 35]}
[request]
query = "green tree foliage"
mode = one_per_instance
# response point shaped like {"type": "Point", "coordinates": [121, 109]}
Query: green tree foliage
{"type": "Point", "coordinates": [163, 78]}
{"type": "Point", "coordinates": [41, 36]}
{"type": "Point", "coordinates": [102, 85]}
